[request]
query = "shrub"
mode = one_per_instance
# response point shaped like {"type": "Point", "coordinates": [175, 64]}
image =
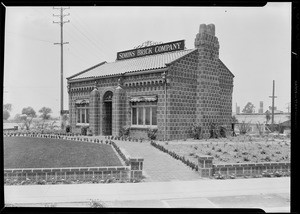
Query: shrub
{"type": "Point", "coordinates": [213, 131]}
{"type": "Point", "coordinates": [124, 131]}
{"type": "Point", "coordinates": [68, 128]}
{"type": "Point", "coordinates": [222, 131]}
{"type": "Point", "coordinates": [97, 204]}
{"type": "Point", "coordinates": [83, 130]}
{"type": "Point", "coordinates": [268, 159]}
{"type": "Point", "coordinates": [196, 131]}
{"type": "Point", "coordinates": [151, 133]}
{"type": "Point", "coordinates": [244, 127]}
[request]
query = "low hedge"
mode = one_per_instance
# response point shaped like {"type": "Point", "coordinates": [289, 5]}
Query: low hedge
{"type": "Point", "coordinates": [175, 156]}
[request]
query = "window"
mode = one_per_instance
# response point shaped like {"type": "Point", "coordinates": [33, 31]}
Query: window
{"type": "Point", "coordinates": [82, 110]}
{"type": "Point", "coordinates": [144, 114]}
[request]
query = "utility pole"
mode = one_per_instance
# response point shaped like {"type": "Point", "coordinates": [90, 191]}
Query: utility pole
{"type": "Point", "coordinates": [61, 43]}
{"type": "Point", "coordinates": [273, 97]}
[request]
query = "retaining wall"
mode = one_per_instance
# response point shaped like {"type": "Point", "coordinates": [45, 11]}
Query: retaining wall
{"type": "Point", "coordinates": [206, 168]}
{"type": "Point", "coordinates": [250, 169]}
{"type": "Point", "coordinates": [73, 174]}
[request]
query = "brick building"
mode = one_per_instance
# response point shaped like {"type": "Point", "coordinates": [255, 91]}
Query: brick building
{"type": "Point", "coordinates": [164, 86]}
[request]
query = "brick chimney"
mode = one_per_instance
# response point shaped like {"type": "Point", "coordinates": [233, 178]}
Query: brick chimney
{"type": "Point", "coordinates": [208, 109]}
{"type": "Point", "coordinates": [207, 40]}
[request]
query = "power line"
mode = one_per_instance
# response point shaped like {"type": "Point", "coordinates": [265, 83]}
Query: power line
{"type": "Point", "coordinates": [94, 44]}
{"type": "Point", "coordinates": [98, 39]}
{"type": "Point", "coordinates": [81, 42]}
{"type": "Point", "coordinates": [29, 37]}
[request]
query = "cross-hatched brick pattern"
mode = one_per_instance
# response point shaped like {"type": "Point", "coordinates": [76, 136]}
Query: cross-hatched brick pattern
{"type": "Point", "coordinates": [119, 110]}
{"type": "Point", "coordinates": [181, 97]}
{"type": "Point", "coordinates": [94, 111]}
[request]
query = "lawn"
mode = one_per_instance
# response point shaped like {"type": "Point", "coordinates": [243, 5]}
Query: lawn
{"type": "Point", "coordinates": [234, 152]}
{"type": "Point", "coordinates": [26, 152]}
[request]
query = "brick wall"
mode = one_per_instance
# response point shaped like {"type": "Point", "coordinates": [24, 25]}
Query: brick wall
{"type": "Point", "coordinates": [181, 97]}
{"type": "Point", "coordinates": [81, 174]}
{"type": "Point", "coordinates": [206, 168]}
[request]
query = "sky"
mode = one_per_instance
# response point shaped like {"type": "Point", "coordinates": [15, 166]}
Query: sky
{"type": "Point", "coordinates": [255, 44]}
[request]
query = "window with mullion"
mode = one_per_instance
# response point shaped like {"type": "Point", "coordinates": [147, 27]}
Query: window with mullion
{"type": "Point", "coordinates": [144, 114]}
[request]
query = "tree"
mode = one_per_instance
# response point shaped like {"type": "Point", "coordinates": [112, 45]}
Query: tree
{"type": "Point", "coordinates": [6, 111]}
{"type": "Point", "coordinates": [45, 113]}
{"type": "Point", "coordinates": [29, 111]}
{"type": "Point", "coordinates": [27, 116]}
{"type": "Point", "coordinates": [6, 114]}
{"type": "Point", "coordinates": [7, 107]}
{"type": "Point", "coordinates": [249, 108]}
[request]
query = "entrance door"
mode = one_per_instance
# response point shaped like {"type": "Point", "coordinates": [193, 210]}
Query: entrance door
{"type": "Point", "coordinates": [107, 113]}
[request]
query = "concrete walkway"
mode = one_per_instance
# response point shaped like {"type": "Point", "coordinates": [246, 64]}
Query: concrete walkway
{"type": "Point", "coordinates": [270, 194]}
{"type": "Point", "coordinates": [158, 166]}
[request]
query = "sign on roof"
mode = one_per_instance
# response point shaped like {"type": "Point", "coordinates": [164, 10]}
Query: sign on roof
{"type": "Point", "coordinates": [150, 50]}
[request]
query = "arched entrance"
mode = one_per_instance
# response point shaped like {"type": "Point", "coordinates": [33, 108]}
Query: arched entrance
{"type": "Point", "coordinates": [107, 113]}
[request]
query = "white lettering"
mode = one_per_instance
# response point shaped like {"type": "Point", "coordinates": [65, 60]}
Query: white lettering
{"type": "Point", "coordinates": [127, 54]}
{"type": "Point", "coordinates": [142, 52]}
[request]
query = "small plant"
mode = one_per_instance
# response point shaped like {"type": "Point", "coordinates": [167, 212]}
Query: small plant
{"type": "Point", "coordinates": [50, 205]}
{"type": "Point", "coordinates": [84, 130]}
{"type": "Point", "coordinates": [222, 131]}
{"type": "Point", "coordinates": [208, 153]}
{"type": "Point", "coordinates": [151, 133]}
{"type": "Point", "coordinates": [268, 159]}
{"type": "Point", "coordinates": [219, 176]}
{"type": "Point", "coordinates": [260, 128]}
{"type": "Point", "coordinates": [244, 128]}
{"type": "Point", "coordinates": [246, 159]}
{"type": "Point", "coordinates": [68, 129]}
{"type": "Point", "coordinates": [196, 131]}
{"type": "Point", "coordinates": [96, 204]}
{"type": "Point", "coordinates": [124, 131]}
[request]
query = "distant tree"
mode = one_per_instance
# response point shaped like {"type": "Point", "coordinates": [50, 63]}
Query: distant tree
{"type": "Point", "coordinates": [249, 108]}
{"type": "Point", "coordinates": [26, 117]}
{"type": "Point", "coordinates": [29, 111]}
{"type": "Point", "coordinates": [6, 111]}
{"type": "Point", "coordinates": [6, 114]}
{"type": "Point", "coordinates": [268, 116]}
{"type": "Point", "coordinates": [45, 113]}
{"type": "Point", "coordinates": [7, 107]}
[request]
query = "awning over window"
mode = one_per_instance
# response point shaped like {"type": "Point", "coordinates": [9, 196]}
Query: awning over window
{"type": "Point", "coordinates": [143, 98]}
{"type": "Point", "coordinates": [82, 101]}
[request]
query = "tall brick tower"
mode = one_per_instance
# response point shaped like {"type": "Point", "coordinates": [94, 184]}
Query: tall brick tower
{"type": "Point", "coordinates": [210, 82]}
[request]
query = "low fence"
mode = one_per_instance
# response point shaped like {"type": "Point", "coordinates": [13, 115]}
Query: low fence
{"type": "Point", "coordinates": [132, 171]}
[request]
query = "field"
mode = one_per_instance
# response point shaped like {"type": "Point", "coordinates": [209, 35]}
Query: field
{"type": "Point", "coordinates": [26, 152]}
{"type": "Point", "coordinates": [233, 152]}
